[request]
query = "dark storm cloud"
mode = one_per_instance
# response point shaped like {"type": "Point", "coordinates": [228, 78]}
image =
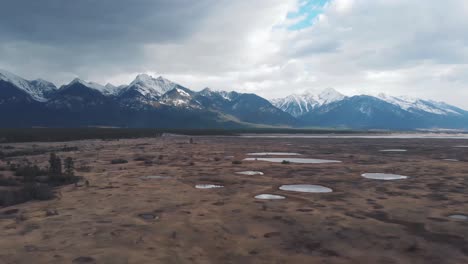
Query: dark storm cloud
{"type": "Point", "coordinates": [60, 39]}
{"type": "Point", "coordinates": [84, 22]}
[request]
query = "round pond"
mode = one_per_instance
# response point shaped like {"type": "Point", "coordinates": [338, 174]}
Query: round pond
{"type": "Point", "coordinates": [269, 197]}
{"type": "Point", "coordinates": [307, 188]}
{"type": "Point", "coordinates": [208, 186]}
{"type": "Point", "coordinates": [293, 160]}
{"type": "Point", "coordinates": [383, 176]}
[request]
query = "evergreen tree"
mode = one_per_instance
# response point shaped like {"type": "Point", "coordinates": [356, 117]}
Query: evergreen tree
{"type": "Point", "coordinates": [55, 167]}
{"type": "Point", "coordinates": [69, 167]}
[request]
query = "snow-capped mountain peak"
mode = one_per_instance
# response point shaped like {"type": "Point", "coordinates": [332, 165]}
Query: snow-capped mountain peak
{"type": "Point", "coordinates": [329, 95]}
{"type": "Point", "coordinates": [14, 79]}
{"type": "Point", "coordinates": [300, 104]}
{"type": "Point", "coordinates": [149, 86]}
{"type": "Point", "coordinates": [37, 89]}
{"type": "Point", "coordinates": [93, 85]}
{"type": "Point", "coordinates": [414, 104]}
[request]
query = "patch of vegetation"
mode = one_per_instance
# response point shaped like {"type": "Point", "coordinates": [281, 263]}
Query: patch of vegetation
{"type": "Point", "coordinates": [236, 162]}
{"type": "Point", "coordinates": [8, 147]}
{"type": "Point", "coordinates": [8, 181]}
{"type": "Point", "coordinates": [37, 183]}
{"type": "Point", "coordinates": [119, 161]}
{"type": "Point", "coordinates": [285, 162]}
{"type": "Point", "coordinates": [34, 151]}
{"type": "Point", "coordinates": [143, 158]}
{"type": "Point", "coordinates": [84, 169]}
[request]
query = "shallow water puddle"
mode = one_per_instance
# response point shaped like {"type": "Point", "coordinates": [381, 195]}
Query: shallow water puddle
{"type": "Point", "coordinates": [454, 160]}
{"type": "Point", "coordinates": [250, 172]}
{"type": "Point", "coordinates": [154, 177]}
{"type": "Point", "coordinates": [308, 188]}
{"type": "Point", "coordinates": [208, 186]}
{"type": "Point", "coordinates": [269, 197]}
{"type": "Point", "coordinates": [383, 176]}
{"type": "Point", "coordinates": [293, 160]}
{"type": "Point", "coordinates": [393, 150]}
{"type": "Point", "coordinates": [273, 154]}
{"type": "Point", "coordinates": [461, 146]}
{"type": "Point", "coordinates": [148, 216]}
{"type": "Point", "coordinates": [458, 217]}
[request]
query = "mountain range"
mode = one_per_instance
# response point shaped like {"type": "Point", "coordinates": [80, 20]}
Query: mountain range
{"type": "Point", "coordinates": [161, 103]}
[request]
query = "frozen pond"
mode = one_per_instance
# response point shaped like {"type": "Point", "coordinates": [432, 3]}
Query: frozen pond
{"type": "Point", "coordinates": [250, 172]}
{"type": "Point", "coordinates": [294, 160]}
{"type": "Point", "coordinates": [208, 186]}
{"type": "Point", "coordinates": [269, 197]}
{"type": "Point", "coordinates": [273, 154]}
{"type": "Point", "coordinates": [458, 217]}
{"type": "Point", "coordinates": [454, 160]}
{"type": "Point", "coordinates": [308, 188]}
{"type": "Point", "coordinates": [461, 146]}
{"type": "Point", "coordinates": [154, 177]}
{"type": "Point", "coordinates": [393, 150]}
{"type": "Point", "coordinates": [383, 176]}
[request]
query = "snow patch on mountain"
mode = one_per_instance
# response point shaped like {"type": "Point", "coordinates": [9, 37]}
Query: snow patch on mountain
{"type": "Point", "coordinates": [300, 104]}
{"type": "Point", "coordinates": [414, 104]}
{"type": "Point", "coordinates": [228, 96]}
{"type": "Point", "coordinates": [151, 87]}
{"type": "Point", "coordinates": [37, 89]}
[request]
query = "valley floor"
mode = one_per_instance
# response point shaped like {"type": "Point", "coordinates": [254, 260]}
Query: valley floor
{"type": "Point", "coordinates": [361, 221]}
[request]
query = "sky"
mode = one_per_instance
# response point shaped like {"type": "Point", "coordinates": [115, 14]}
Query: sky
{"type": "Point", "coordinates": [273, 48]}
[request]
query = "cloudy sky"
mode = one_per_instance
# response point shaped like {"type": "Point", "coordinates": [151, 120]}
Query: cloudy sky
{"type": "Point", "coordinates": [269, 47]}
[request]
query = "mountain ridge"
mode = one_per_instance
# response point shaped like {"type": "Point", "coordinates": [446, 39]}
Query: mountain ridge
{"type": "Point", "coordinates": [159, 102]}
{"type": "Point", "coordinates": [145, 102]}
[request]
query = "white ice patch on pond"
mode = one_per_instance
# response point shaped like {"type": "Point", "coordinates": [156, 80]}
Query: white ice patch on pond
{"type": "Point", "coordinates": [294, 160]}
{"type": "Point", "coordinates": [274, 154]}
{"type": "Point", "coordinates": [454, 160]}
{"type": "Point", "coordinates": [250, 172]}
{"type": "Point", "coordinates": [383, 176]}
{"type": "Point", "coordinates": [208, 186]}
{"type": "Point", "coordinates": [459, 217]}
{"type": "Point", "coordinates": [154, 177]}
{"type": "Point", "coordinates": [269, 197]}
{"type": "Point", "coordinates": [308, 188]}
{"type": "Point", "coordinates": [393, 150]}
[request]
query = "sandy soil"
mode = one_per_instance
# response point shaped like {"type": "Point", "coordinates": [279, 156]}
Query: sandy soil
{"type": "Point", "coordinates": [362, 221]}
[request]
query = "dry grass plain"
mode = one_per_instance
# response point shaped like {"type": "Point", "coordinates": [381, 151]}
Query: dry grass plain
{"type": "Point", "coordinates": [362, 221]}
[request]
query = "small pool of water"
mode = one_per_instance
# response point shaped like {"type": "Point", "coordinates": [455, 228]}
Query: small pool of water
{"type": "Point", "coordinates": [383, 176]}
{"type": "Point", "coordinates": [154, 177]}
{"type": "Point", "coordinates": [273, 154]}
{"type": "Point", "coordinates": [393, 150]}
{"type": "Point", "coordinates": [293, 160]}
{"type": "Point", "coordinates": [269, 197]}
{"type": "Point", "coordinates": [250, 172]}
{"type": "Point", "coordinates": [308, 188]}
{"type": "Point", "coordinates": [208, 186]}
{"type": "Point", "coordinates": [454, 160]}
{"type": "Point", "coordinates": [458, 217]}
{"type": "Point", "coordinates": [148, 216]}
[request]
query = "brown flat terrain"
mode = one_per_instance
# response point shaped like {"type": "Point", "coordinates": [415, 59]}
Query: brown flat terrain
{"type": "Point", "coordinates": [362, 221]}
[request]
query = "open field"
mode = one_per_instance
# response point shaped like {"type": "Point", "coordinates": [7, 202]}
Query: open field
{"type": "Point", "coordinates": [124, 218]}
